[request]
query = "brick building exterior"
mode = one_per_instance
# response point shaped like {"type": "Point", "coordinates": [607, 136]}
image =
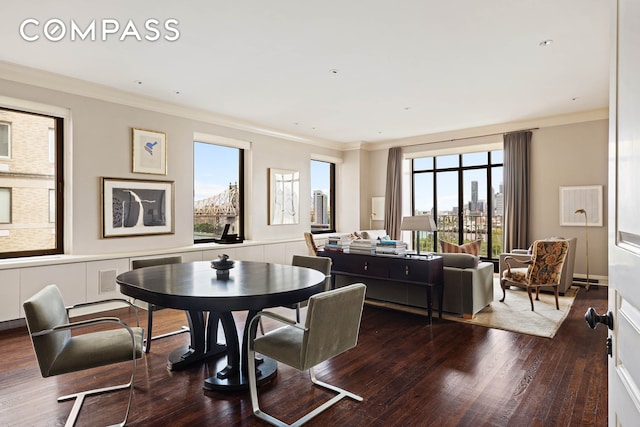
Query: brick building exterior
{"type": "Point", "coordinates": [27, 182]}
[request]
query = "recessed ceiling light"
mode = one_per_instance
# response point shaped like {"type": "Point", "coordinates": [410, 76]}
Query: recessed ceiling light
{"type": "Point", "coordinates": [546, 42]}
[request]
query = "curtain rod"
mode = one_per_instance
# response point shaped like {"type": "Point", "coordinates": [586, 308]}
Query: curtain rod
{"type": "Point", "coordinates": [470, 137]}
{"type": "Point", "coordinates": [517, 131]}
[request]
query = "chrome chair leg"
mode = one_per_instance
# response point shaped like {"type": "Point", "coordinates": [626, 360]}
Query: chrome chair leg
{"type": "Point", "coordinates": [253, 391]}
{"type": "Point", "coordinates": [147, 341]}
{"type": "Point", "coordinates": [79, 399]}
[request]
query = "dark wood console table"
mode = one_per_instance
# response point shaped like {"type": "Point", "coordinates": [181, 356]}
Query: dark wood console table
{"type": "Point", "coordinates": [414, 270]}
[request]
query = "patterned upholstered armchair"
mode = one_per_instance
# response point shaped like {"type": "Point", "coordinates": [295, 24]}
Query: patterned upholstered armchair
{"type": "Point", "coordinates": [543, 270]}
{"type": "Point", "coordinates": [311, 244]}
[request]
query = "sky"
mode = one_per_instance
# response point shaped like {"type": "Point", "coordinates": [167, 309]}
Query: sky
{"type": "Point", "coordinates": [448, 181]}
{"type": "Point", "coordinates": [214, 164]}
{"type": "Point", "coordinates": [320, 179]}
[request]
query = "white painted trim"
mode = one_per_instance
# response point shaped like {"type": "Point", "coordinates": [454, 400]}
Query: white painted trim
{"type": "Point", "coordinates": [41, 260]}
{"type": "Point", "coordinates": [221, 140]}
{"type": "Point", "coordinates": [34, 107]}
{"type": "Point", "coordinates": [325, 158]}
{"type": "Point", "coordinates": [602, 280]}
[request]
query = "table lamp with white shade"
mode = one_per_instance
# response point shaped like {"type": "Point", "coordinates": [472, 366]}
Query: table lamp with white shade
{"type": "Point", "coordinates": [418, 223]}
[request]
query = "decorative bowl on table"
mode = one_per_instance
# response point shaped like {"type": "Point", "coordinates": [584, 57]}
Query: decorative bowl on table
{"type": "Point", "coordinates": [222, 263]}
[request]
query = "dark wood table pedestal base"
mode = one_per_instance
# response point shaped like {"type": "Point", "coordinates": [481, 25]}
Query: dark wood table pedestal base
{"type": "Point", "coordinates": [230, 370]}
{"type": "Point", "coordinates": [203, 329]}
{"type": "Point", "coordinates": [185, 356]}
{"type": "Point", "coordinates": [238, 381]}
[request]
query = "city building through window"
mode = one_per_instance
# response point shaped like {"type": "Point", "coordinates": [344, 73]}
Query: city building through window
{"type": "Point", "coordinates": [464, 194]}
{"type": "Point", "coordinates": [322, 196]}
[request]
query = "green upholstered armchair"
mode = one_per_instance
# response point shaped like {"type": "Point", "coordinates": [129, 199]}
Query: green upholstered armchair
{"type": "Point", "coordinates": [322, 264]}
{"type": "Point", "coordinates": [331, 327]}
{"type": "Point", "coordinates": [149, 262]}
{"type": "Point", "coordinates": [543, 270]}
{"type": "Point", "coordinates": [59, 352]}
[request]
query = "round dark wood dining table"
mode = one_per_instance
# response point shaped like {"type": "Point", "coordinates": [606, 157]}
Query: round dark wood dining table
{"type": "Point", "coordinates": [209, 297]}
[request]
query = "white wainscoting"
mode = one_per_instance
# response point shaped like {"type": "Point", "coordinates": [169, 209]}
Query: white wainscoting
{"type": "Point", "coordinates": [92, 278]}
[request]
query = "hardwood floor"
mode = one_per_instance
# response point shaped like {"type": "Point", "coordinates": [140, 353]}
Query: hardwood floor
{"type": "Point", "coordinates": [410, 374]}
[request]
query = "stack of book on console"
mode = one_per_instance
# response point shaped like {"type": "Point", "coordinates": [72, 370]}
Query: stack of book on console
{"type": "Point", "coordinates": [363, 246]}
{"type": "Point", "coordinates": [337, 244]}
{"type": "Point", "coordinates": [391, 248]}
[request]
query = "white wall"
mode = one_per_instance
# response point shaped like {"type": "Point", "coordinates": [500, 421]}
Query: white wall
{"type": "Point", "coordinates": [570, 155]}
{"type": "Point", "coordinates": [349, 188]}
{"type": "Point", "coordinates": [377, 180]}
{"type": "Point", "coordinates": [100, 146]}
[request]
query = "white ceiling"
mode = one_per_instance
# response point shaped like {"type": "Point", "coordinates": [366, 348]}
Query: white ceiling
{"type": "Point", "coordinates": [405, 68]}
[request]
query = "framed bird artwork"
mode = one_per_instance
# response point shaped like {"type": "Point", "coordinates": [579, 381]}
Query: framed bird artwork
{"type": "Point", "coordinates": [149, 152]}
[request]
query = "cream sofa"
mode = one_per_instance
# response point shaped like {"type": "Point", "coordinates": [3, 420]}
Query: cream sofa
{"type": "Point", "coordinates": [567, 269]}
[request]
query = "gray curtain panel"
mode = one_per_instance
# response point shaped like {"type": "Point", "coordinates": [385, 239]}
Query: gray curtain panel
{"type": "Point", "coordinates": [516, 190]}
{"type": "Point", "coordinates": [393, 193]}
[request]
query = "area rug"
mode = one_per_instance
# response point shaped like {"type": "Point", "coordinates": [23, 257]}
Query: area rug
{"type": "Point", "coordinates": [514, 314]}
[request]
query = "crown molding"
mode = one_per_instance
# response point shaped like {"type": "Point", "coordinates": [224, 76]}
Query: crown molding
{"type": "Point", "coordinates": [35, 77]}
{"type": "Point", "coordinates": [495, 129]}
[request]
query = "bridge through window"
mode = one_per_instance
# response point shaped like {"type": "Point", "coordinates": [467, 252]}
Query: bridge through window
{"type": "Point", "coordinates": [217, 191]}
